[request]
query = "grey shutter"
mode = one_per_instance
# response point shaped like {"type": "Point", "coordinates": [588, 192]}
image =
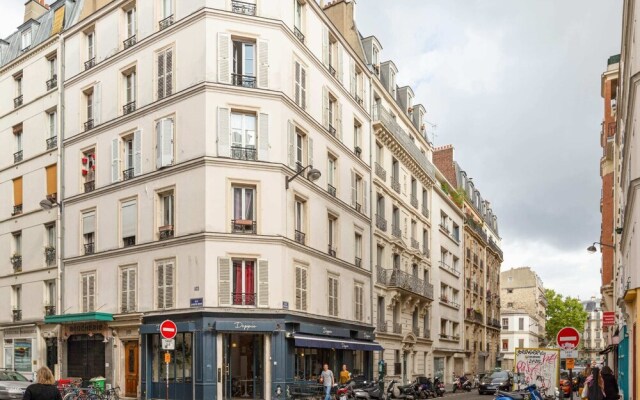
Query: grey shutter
{"type": "Point", "coordinates": [88, 222]}
{"type": "Point", "coordinates": [352, 75]}
{"type": "Point", "coordinates": [309, 151]}
{"type": "Point", "coordinates": [167, 142]}
{"type": "Point", "coordinates": [325, 46]}
{"type": "Point", "coordinates": [296, 83]}
{"type": "Point", "coordinates": [354, 196]}
{"type": "Point", "coordinates": [92, 292]}
{"type": "Point", "coordinates": [160, 283]}
{"type": "Point", "coordinates": [169, 283]}
{"type": "Point", "coordinates": [97, 104]}
{"type": "Point", "coordinates": [129, 218]}
{"type": "Point", "coordinates": [303, 85]}
{"type": "Point", "coordinates": [124, 287]}
{"type": "Point", "coordinates": [339, 120]}
{"type": "Point", "coordinates": [339, 69]}
{"type": "Point", "coordinates": [290, 144]}
{"type": "Point", "coordinates": [115, 160]}
{"type": "Point", "coordinates": [137, 149]}
{"type": "Point", "coordinates": [159, 144]}
{"type": "Point", "coordinates": [263, 63]}
{"type": "Point", "coordinates": [224, 281]}
{"type": "Point", "coordinates": [325, 107]}
{"type": "Point", "coordinates": [224, 59]}
{"type": "Point", "coordinates": [168, 72]}
{"type": "Point", "coordinates": [365, 204]}
{"type": "Point", "coordinates": [263, 138]}
{"type": "Point", "coordinates": [161, 77]}
{"type": "Point", "coordinates": [131, 305]}
{"type": "Point", "coordinates": [224, 150]}
{"type": "Point", "coordinates": [263, 283]}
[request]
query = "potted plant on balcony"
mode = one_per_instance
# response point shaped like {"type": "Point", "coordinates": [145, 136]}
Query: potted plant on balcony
{"type": "Point", "coordinates": [49, 253]}
{"type": "Point", "coordinates": [16, 259]}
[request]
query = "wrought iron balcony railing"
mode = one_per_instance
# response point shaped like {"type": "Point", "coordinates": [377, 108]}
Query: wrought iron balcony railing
{"type": "Point", "coordinates": [298, 34]}
{"type": "Point", "coordinates": [165, 232]}
{"type": "Point", "coordinates": [16, 262]}
{"type": "Point", "coordinates": [89, 248]}
{"type": "Point", "coordinates": [425, 211]}
{"type": "Point", "coordinates": [130, 41]}
{"type": "Point", "coordinates": [395, 278]}
{"type": "Point", "coordinates": [248, 81]}
{"type": "Point", "coordinates": [165, 23]}
{"type": "Point", "coordinates": [49, 255]}
{"type": "Point", "coordinates": [17, 156]}
{"type": "Point", "coordinates": [331, 189]}
{"type": "Point", "coordinates": [359, 100]}
{"type": "Point", "coordinates": [332, 70]}
{"type": "Point", "coordinates": [358, 262]}
{"type": "Point", "coordinates": [129, 107]}
{"type": "Point", "coordinates": [426, 333]}
{"type": "Point", "coordinates": [331, 250]}
{"type": "Point", "coordinates": [358, 207]}
{"type": "Point", "coordinates": [332, 130]}
{"type": "Point", "coordinates": [449, 269]}
{"type": "Point", "coordinates": [90, 63]}
{"type": "Point", "coordinates": [89, 186]}
{"type": "Point", "coordinates": [128, 174]}
{"type": "Point", "coordinates": [243, 299]}
{"type": "Point", "coordinates": [49, 310]}
{"type": "Point", "coordinates": [300, 237]}
{"type": "Point", "coordinates": [244, 153]}
{"type": "Point", "coordinates": [88, 125]}
{"type": "Point", "coordinates": [17, 102]}
{"type": "Point", "coordinates": [397, 327]}
{"type": "Point", "coordinates": [52, 142]}
{"type": "Point", "coordinates": [244, 226]}
{"type": "Point", "coordinates": [17, 209]}
{"type": "Point", "coordinates": [395, 183]}
{"type": "Point", "coordinates": [17, 315]}
{"type": "Point", "coordinates": [414, 201]}
{"type": "Point", "coordinates": [426, 252]}
{"type": "Point", "coordinates": [381, 223]}
{"type": "Point", "coordinates": [241, 7]}
{"type": "Point", "coordinates": [129, 241]}
{"type": "Point", "coordinates": [415, 244]}
{"type": "Point", "coordinates": [52, 83]}
{"type": "Point", "coordinates": [381, 326]}
{"type": "Point", "coordinates": [396, 231]}
{"type": "Point", "coordinates": [382, 174]}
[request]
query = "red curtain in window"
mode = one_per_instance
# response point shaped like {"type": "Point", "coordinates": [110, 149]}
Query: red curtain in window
{"type": "Point", "coordinates": [237, 282]}
{"type": "Point", "coordinates": [248, 281]}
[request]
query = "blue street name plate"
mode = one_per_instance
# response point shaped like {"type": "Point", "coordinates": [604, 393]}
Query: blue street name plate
{"type": "Point", "coordinates": [198, 302]}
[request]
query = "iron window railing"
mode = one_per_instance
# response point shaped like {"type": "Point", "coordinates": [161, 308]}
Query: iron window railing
{"type": "Point", "coordinates": [414, 201]}
{"type": "Point", "coordinates": [395, 184]}
{"type": "Point", "coordinates": [49, 254]}
{"type": "Point", "coordinates": [129, 107]}
{"type": "Point", "coordinates": [331, 189]}
{"type": "Point", "coordinates": [426, 252]}
{"type": "Point", "coordinates": [248, 81]}
{"type": "Point", "coordinates": [449, 269]}
{"type": "Point", "coordinates": [244, 153]}
{"type": "Point", "coordinates": [298, 34]}
{"type": "Point", "coordinates": [243, 226]}
{"type": "Point", "coordinates": [358, 262]}
{"type": "Point", "coordinates": [17, 209]}
{"type": "Point", "coordinates": [332, 70]}
{"type": "Point", "coordinates": [52, 142]}
{"type": "Point", "coordinates": [425, 211]}
{"type": "Point", "coordinates": [17, 102]}
{"type": "Point", "coordinates": [52, 83]}
{"type": "Point", "coordinates": [331, 250]}
{"type": "Point", "coordinates": [17, 156]}
{"type": "Point", "coordinates": [381, 326]}
{"type": "Point", "coordinates": [244, 299]}
{"type": "Point", "coordinates": [300, 237]}
{"type": "Point", "coordinates": [88, 125]}
{"type": "Point", "coordinates": [165, 232]}
{"type": "Point", "coordinates": [17, 315]}
{"type": "Point", "coordinates": [415, 244]}
{"type": "Point", "coordinates": [129, 241]}
{"type": "Point", "coordinates": [165, 23]}
{"type": "Point", "coordinates": [396, 231]}
{"type": "Point", "coordinates": [129, 42]}
{"type": "Point", "coordinates": [128, 174]}
{"type": "Point", "coordinates": [49, 310]}
{"type": "Point", "coordinates": [241, 7]}
{"type": "Point", "coordinates": [332, 130]}
{"type": "Point", "coordinates": [381, 223]}
{"type": "Point", "coordinates": [397, 327]}
{"type": "Point", "coordinates": [90, 63]}
{"type": "Point", "coordinates": [395, 278]}
{"type": "Point", "coordinates": [89, 248]}
{"type": "Point", "coordinates": [382, 174]}
{"type": "Point", "coordinates": [16, 262]}
{"type": "Point", "coordinates": [89, 186]}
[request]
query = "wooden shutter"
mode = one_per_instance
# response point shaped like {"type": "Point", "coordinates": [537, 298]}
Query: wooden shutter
{"type": "Point", "coordinates": [85, 293]}
{"type": "Point", "coordinates": [96, 108]}
{"type": "Point", "coordinates": [325, 107]}
{"type": "Point", "coordinates": [263, 283]}
{"type": "Point", "coordinates": [298, 288]}
{"type": "Point", "coordinates": [365, 196]}
{"type": "Point", "coordinates": [309, 150]}
{"type": "Point", "coordinates": [168, 72]}
{"type": "Point", "coordinates": [17, 191]}
{"type": "Point", "coordinates": [325, 46]}
{"type": "Point", "coordinates": [131, 305]}
{"type": "Point", "coordinates": [224, 149]}
{"type": "Point", "coordinates": [91, 292]}
{"type": "Point", "coordinates": [124, 290]}
{"type": "Point", "coordinates": [52, 175]}
{"type": "Point", "coordinates": [169, 283]}
{"type": "Point", "coordinates": [115, 160]}
{"type": "Point", "coordinates": [354, 190]}
{"type": "Point", "coordinates": [263, 63]}
{"type": "Point", "coordinates": [352, 75]}
{"type": "Point", "coordinates": [303, 88]}
{"type": "Point", "coordinates": [339, 67]}
{"type": "Point", "coordinates": [224, 281]}
{"type": "Point", "coordinates": [160, 285]}
{"type": "Point", "coordinates": [137, 152]}
{"type": "Point", "coordinates": [161, 75]}
{"type": "Point", "coordinates": [224, 59]}
{"type": "Point", "coordinates": [296, 83]}
{"type": "Point", "coordinates": [339, 120]}
{"type": "Point", "coordinates": [263, 137]}
{"type": "Point", "coordinates": [303, 286]}
{"type": "Point", "coordinates": [291, 132]}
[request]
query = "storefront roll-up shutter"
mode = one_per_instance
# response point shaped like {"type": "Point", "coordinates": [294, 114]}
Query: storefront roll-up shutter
{"type": "Point", "coordinates": [52, 173]}
{"type": "Point", "coordinates": [137, 152]}
{"type": "Point", "coordinates": [115, 160]}
{"type": "Point", "coordinates": [263, 283]}
{"type": "Point", "coordinates": [88, 222]}
{"type": "Point", "coordinates": [263, 138]}
{"type": "Point", "coordinates": [17, 191]}
{"type": "Point", "coordinates": [224, 59]}
{"type": "Point", "coordinates": [290, 140]}
{"type": "Point", "coordinates": [224, 281]}
{"type": "Point", "coordinates": [224, 149]}
{"type": "Point", "coordinates": [263, 64]}
{"type": "Point", "coordinates": [129, 218]}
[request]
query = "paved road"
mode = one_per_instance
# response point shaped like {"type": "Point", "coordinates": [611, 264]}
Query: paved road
{"type": "Point", "coordinates": [473, 395]}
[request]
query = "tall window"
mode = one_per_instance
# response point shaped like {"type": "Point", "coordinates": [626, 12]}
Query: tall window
{"type": "Point", "coordinates": [380, 154]}
{"type": "Point", "coordinates": [332, 233]}
{"type": "Point", "coordinates": [50, 293]}
{"type": "Point", "coordinates": [17, 196]}
{"type": "Point", "coordinates": [243, 136]}
{"type": "Point", "coordinates": [51, 173]}
{"type": "Point", "coordinates": [17, 297]}
{"type": "Point", "coordinates": [128, 156]}
{"type": "Point", "coordinates": [89, 102]}
{"type": "Point", "coordinates": [379, 255]}
{"type": "Point", "coordinates": [131, 22]}
{"type": "Point", "coordinates": [244, 209]}
{"type": "Point", "coordinates": [88, 283]}
{"type": "Point", "coordinates": [17, 243]}
{"type": "Point", "coordinates": [301, 288]}
{"type": "Point", "coordinates": [165, 283]}
{"type": "Point", "coordinates": [166, 209]}
{"type": "Point", "coordinates": [357, 138]}
{"type": "Point", "coordinates": [128, 289]}
{"type": "Point", "coordinates": [165, 73]}
{"type": "Point", "coordinates": [521, 324]}
{"type": "Point", "coordinates": [333, 296]}
{"type": "Point", "coordinates": [332, 114]}
{"type": "Point", "coordinates": [331, 174]}
{"type": "Point", "coordinates": [51, 125]}
{"type": "Point", "coordinates": [53, 67]}
{"type": "Point", "coordinates": [505, 344]}
{"type": "Point", "coordinates": [244, 63]}
{"type": "Point", "coordinates": [300, 87]}
{"type": "Point", "coordinates": [129, 91]}
{"type": "Point", "coordinates": [521, 343]}
{"type": "Point", "coordinates": [17, 135]}
{"type": "Point", "coordinates": [244, 278]}
{"type": "Point", "coordinates": [358, 250]}
{"type": "Point", "coordinates": [505, 324]}
{"type": "Point", "coordinates": [88, 231]}
{"type": "Point", "coordinates": [26, 39]}
{"type": "Point", "coordinates": [357, 192]}
{"type": "Point", "coordinates": [299, 211]}
{"type": "Point", "coordinates": [129, 215]}
{"type": "Point", "coordinates": [358, 296]}
{"type": "Point", "coordinates": [91, 43]}
{"type": "Point", "coordinates": [297, 15]}
{"type": "Point", "coordinates": [299, 149]}
{"type": "Point", "coordinates": [50, 233]}
{"type": "Point", "coordinates": [166, 7]}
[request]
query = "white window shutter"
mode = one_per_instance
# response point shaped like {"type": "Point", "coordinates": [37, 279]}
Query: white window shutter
{"type": "Point", "coordinates": [303, 90]}
{"type": "Point", "coordinates": [303, 285]}
{"type": "Point", "coordinates": [297, 90]}
{"type": "Point", "coordinates": [115, 160]}
{"type": "Point", "coordinates": [325, 46]}
{"type": "Point", "coordinates": [325, 107]}
{"type": "Point", "coordinates": [92, 292]}
{"type": "Point", "coordinates": [263, 138]}
{"type": "Point", "coordinates": [365, 194]}
{"type": "Point", "coordinates": [224, 57]}
{"type": "Point", "coordinates": [298, 288]}
{"type": "Point", "coordinates": [263, 64]}
{"type": "Point", "coordinates": [129, 218]}
{"type": "Point", "coordinates": [290, 144]}
{"type": "Point", "coordinates": [169, 281]}
{"type": "Point", "coordinates": [353, 189]}
{"type": "Point", "coordinates": [167, 142]}
{"type": "Point", "coordinates": [263, 283]}
{"type": "Point", "coordinates": [339, 120]}
{"type": "Point", "coordinates": [339, 69]}
{"type": "Point", "coordinates": [97, 104]}
{"type": "Point", "coordinates": [85, 293]}
{"type": "Point", "coordinates": [159, 144]}
{"type": "Point", "coordinates": [168, 72]}
{"type": "Point", "coordinates": [160, 285]}
{"type": "Point", "coordinates": [124, 287]}
{"type": "Point", "coordinates": [224, 149]}
{"type": "Point", "coordinates": [137, 152]}
{"type": "Point", "coordinates": [309, 150]}
{"type": "Point", "coordinates": [132, 289]}
{"type": "Point", "coordinates": [352, 74]}
{"type": "Point", "coordinates": [224, 281]}
{"type": "Point", "coordinates": [161, 75]}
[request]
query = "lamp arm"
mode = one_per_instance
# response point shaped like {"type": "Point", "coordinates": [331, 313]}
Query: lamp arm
{"type": "Point", "coordinates": [287, 179]}
{"type": "Point", "coordinates": [607, 245]}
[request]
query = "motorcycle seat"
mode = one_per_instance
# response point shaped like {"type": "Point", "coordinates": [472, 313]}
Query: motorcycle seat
{"type": "Point", "coordinates": [514, 396]}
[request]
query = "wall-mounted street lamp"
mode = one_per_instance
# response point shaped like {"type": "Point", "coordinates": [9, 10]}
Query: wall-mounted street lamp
{"type": "Point", "coordinates": [312, 175]}
{"type": "Point", "coordinates": [47, 204]}
{"type": "Point", "coordinates": [592, 249]}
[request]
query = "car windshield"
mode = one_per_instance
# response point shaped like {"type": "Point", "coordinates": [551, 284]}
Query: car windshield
{"type": "Point", "coordinates": [499, 375]}
{"type": "Point", "coordinates": [12, 376]}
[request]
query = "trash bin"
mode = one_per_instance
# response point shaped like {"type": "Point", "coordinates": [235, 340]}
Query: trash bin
{"type": "Point", "coordinates": [98, 383]}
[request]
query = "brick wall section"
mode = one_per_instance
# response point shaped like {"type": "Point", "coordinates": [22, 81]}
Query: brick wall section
{"type": "Point", "coordinates": [443, 160]}
{"type": "Point", "coordinates": [606, 168]}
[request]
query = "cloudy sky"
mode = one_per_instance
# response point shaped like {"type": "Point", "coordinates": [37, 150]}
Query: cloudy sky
{"type": "Point", "coordinates": [515, 86]}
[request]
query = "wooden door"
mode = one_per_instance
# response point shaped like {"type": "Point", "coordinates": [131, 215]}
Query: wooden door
{"type": "Point", "coordinates": [131, 369]}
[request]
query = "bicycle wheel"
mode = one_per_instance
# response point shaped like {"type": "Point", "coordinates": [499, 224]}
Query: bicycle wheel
{"type": "Point", "coordinates": [70, 396]}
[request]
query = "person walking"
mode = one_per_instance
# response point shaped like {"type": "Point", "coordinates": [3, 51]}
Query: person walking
{"type": "Point", "coordinates": [326, 377]}
{"type": "Point", "coordinates": [610, 384]}
{"type": "Point", "coordinates": [345, 375]}
{"type": "Point", "coordinates": [594, 386]}
{"type": "Point", "coordinates": [44, 389]}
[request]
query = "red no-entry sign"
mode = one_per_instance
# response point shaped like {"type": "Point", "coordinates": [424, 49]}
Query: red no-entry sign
{"type": "Point", "coordinates": [168, 329]}
{"type": "Point", "coordinates": [568, 338]}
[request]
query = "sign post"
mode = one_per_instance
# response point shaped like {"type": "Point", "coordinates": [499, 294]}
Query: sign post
{"type": "Point", "coordinates": [568, 339]}
{"type": "Point", "coordinates": [168, 331]}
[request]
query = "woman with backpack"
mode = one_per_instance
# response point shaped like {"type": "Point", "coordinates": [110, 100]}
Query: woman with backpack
{"type": "Point", "coordinates": [594, 386]}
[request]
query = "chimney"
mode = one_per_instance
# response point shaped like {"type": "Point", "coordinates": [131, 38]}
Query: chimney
{"type": "Point", "coordinates": [443, 160]}
{"type": "Point", "coordinates": [342, 15]}
{"type": "Point", "coordinates": [34, 9]}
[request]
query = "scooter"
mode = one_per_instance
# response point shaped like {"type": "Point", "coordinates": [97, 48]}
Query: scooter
{"type": "Point", "coordinates": [373, 390]}
{"type": "Point", "coordinates": [439, 387]}
{"type": "Point", "coordinates": [466, 385]}
{"type": "Point", "coordinates": [400, 392]}
{"type": "Point", "coordinates": [534, 394]}
{"type": "Point", "coordinates": [424, 390]}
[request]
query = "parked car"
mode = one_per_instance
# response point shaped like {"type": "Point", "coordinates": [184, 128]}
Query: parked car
{"type": "Point", "coordinates": [12, 384]}
{"type": "Point", "coordinates": [499, 380]}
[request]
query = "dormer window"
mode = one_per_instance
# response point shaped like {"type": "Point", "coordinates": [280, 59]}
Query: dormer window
{"type": "Point", "coordinates": [374, 59]}
{"type": "Point", "coordinates": [26, 39]}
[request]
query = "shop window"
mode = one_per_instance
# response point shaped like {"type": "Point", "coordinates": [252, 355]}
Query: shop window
{"type": "Point", "coordinates": [18, 355]}
{"type": "Point", "coordinates": [180, 367]}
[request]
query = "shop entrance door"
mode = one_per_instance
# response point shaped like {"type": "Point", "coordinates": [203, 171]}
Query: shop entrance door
{"type": "Point", "coordinates": [131, 369]}
{"type": "Point", "coordinates": [85, 356]}
{"type": "Point", "coordinates": [243, 366]}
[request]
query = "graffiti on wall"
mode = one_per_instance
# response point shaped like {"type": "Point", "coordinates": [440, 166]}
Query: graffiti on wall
{"type": "Point", "coordinates": [539, 366]}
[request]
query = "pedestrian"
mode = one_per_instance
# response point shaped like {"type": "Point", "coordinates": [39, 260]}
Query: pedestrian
{"type": "Point", "coordinates": [345, 375]}
{"type": "Point", "coordinates": [326, 378]}
{"type": "Point", "coordinates": [594, 386]}
{"type": "Point", "coordinates": [610, 384]}
{"type": "Point", "coordinates": [582, 378]}
{"type": "Point", "coordinates": [44, 389]}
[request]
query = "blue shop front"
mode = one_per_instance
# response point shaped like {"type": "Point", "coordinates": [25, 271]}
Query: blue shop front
{"type": "Point", "coordinates": [243, 355]}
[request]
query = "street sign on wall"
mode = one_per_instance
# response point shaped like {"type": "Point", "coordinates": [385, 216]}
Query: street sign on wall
{"type": "Point", "coordinates": [608, 318]}
{"type": "Point", "coordinates": [168, 329]}
{"type": "Point", "coordinates": [568, 338]}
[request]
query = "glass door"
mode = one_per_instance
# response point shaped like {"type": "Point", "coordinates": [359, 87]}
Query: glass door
{"type": "Point", "coordinates": [258, 367]}
{"type": "Point", "coordinates": [226, 367]}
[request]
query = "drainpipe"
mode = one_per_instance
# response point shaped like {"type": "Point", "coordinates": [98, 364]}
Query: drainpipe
{"type": "Point", "coordinates": [372, 224]}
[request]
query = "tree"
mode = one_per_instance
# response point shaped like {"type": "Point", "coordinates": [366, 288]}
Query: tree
{"type": "Point", "coordinates": [563, 312]}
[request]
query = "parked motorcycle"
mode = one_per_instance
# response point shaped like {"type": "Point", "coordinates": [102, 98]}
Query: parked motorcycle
{"type": "Point", "coordinates": [534, 394]}
{"type": "Point", "coordinates": [400, 392]}
{"type": "Point", "coordinates": [439, 387]}
{"type": "Point", "coordinates": [459, 384]}
{"type": "Point", "coordinates": [424, 388]}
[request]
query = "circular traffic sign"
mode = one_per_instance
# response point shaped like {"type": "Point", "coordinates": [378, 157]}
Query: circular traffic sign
{"type": "Point", "coordinates": [168, 329]}
{"type": "Point", "coordinates": [568, 338]}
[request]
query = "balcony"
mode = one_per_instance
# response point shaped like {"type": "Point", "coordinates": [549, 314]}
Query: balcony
{"type": "Point", "coordinates": [129, 107]}
{"type": "Point", "coordinates": [332, 130]}
{"type": "Point", "coordinates": [426, 252]}
{"type": "Point", "coordinates": [300, 237]}
{"type": "Point", "coordinates": [381, 326]}
{"type": "Point", "coordinates": [244, 153]}
{"type": "Point", "coordinates": [243, 226]}
{"type": "Point", "coordinates": [129, 42]}
{"type": "Point", "coordinates": [380, 172]}
{"type": "Point", "coordinates": [52, 142]}
{"type": "Point", "coordinates": [474, 315]}
{"type": "Point", "coordinates": [129, 241]}
{"type": "Point", "coordinates": [477, 229]}
{"type": "Point", "coordinates": [331, 189]}
{"type": "Point", "coordinates": [244, 299]}
{"type": "Point", "coordinates": [358, 207]}
{"type": "Point", "coordinates": [396, 231]}
{"type": "Point", "coordinates": [17, 210]}
{"type": "Point", "coordinates": [89, 248]}
{"type": "Point", "coordinates": [395, 184]}
{"type": "Point", "coordinates": [240, 7]}
{"type": "Point", "coordinates": [127, 174]}
{"type": "Point", "coordinates": [88, 125]}
{"type": "Point", "coordinates": [445, 228]}
{"type": "Point", "coordinates": [494, 247]}
{"type": "Point", "coordinates": [165, 23]}
{"type": "Point", "coordinates": [17, 102]}
{"type": "Point", "coordinates": [89, 186]}
{"type": "Point", "coordinates": [415, 244]}
{"type": "Point", "coordinates": [90, 63]}
{"type": "Point", "coordinates": [358, 262]}
{"type": "Point", "coordinates": [396, 279]}
{"type": "Point", "coordinates": [49, 255]}
{"type": "Point", "coordinates": [331, 250]}
{"type": "Point", "coordinates": [17, 156]}
{"type": "Point", "coordinates": [52, 83]}
{"type": "Point", "coordinates": [247, 81]}
{"type": "Point", "coordinates": [359, 101]}
{"type": "Point", "coordinates": [298, 34]}
{"type": "Point", "coordinates": [449, 269]}
{"type": "Point", "coordinates": [165, 232]}
{"type": "Point", "coordinates": [425, 211]}
{"type": "Point", "coordinates": [397, 328]}
{"type": "Point", "coordinates": [16, 262]}
{"type": "Point", "coordinates": [416, 331]}
{"type": "Point", "coordinates": [332, 71]}
{"type": "Point", "coordinates": [414, 201]}
{"type": "Point", "coordinates": [381, 223]}
{"type": "Point", "coordinates": [17, 315]}
{"type": "Point", "coordinates": [49, 310]}
{"type": "Point", "coordinates": [426, 333]}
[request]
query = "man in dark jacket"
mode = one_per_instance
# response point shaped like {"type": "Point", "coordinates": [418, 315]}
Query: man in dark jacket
{"type": "Point", "coordinates": [610, 384]}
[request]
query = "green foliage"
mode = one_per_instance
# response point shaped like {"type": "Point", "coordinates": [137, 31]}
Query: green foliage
{"type": "Point", "coordinates": [563, 312]}
{"type": "Point", "coordinates": [445, 187]}
{"type": "Point", "coordinates": [458, 197]}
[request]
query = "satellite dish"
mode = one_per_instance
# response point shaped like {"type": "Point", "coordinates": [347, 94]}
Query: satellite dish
{"type": "Point", "coordinates": [46, 204]}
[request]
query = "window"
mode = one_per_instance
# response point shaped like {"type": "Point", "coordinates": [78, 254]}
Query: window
{"type": "Point", "coordinates": [53, 69]}
{"type": "Point", "coordinates": [129, 215]}
{"type": "Point", "coordinates": [18, 355]}
{"type": "Point", "coordinates": [50, 294]}
{"type": "Point", "coordinates": [17, 244]}
{"type": "Point", "coordinates": [456, 232]}
{"type": "Point", "coordinates": [358, 296]}
{"type": "Point", "coordinates": [505, 324]}
{"type": "Point", "coordinates": [128, 289]}
{"type": "Point", "coordinates": [414, 191]}
{"type": "Point", "coordinates": [379, 154]}
{"type": "Point", "coordinates": [331, 174]}
{"type": "Point", "coordinates": [425, 241]}
{"type": "Point", "coordinates": [244, 65]}
{"type": "Point", "coordinates": [17, 196]}
{"type": "Point", "coordinates": [332, 110]}
{"type": "Point", "coordinates": [521, 324]}
{"type": "Point", "coordinates": [164, 142]}
{"type": "Point", "coordinates": [444, 222]}
{"type": "Point", "coordinates": [333, 296]}
{"type": "Point", "coordinates": [244, 288]}
{"type": "Point", "coordinates": [521, 343]}
{"type": "Point", "coordinates": [51, 126]}
{"type": "Point", "coordinates": [166, 214]}
{"type": "Point", "coordinates": [127, 157]}
{"type": "Point", "coordinates": [299, 149]}
{"type": "Point", "coordinates": [52, 181]}
{"type": "Point", "coordinates": [243, 136]}
{"type": "Point", "coordinates": [301, 288]}
{"type": "Point", "coordinates": [50, 244]}
{"type": "Point", "coordinates": [509, 305]}
{"type": "Point", "coordinates": [88, 96]}
{"type": "Point", "coordinates": [509, 290]}
{"type": "Point", "coordinates": [165, 283]}
{"type": "Point", "coordinates": [18, 84]}
{"type": "Point", "coordinates": [297, 15]}
{"type": "Point", "coordinates": [165, 73]}
{"type": "Point", "coordinates": [166, 8]}
{"type": "Point", "coordinates": [505, 344]}
{"type": "Point", "coordinates": [26, 39]}
{"type": "Point", "coordinates": [332, 239]}
{"type": "Point", "coordinates": [17, 135]}
{"type": "Point", "coordinates": [357, 191]}
{"type": "Point", "coordinates": [379, 255]}
{"type": "Point", "coordinates": [88, 231]}
{"type": "Point", "coordinates": [358, 249]}
{"type": "Point", "coordinates": [300, 88]}
{"type": "Point", "coordinates": [129, 81]}
{"type": "Point", "coordinates": [374, 57]}
{"type": "Point", "coordinates": [357, 138]}
{"type": "Point", "coordinates": [131, 23]}
{"type": "Point", "coordinates": [89, 169]}
{"type": "Point", "coordinates": [88, 283]}
{"type": "Point", "coordinates": [91, 42]}
{"type": "Point", "coordinates": [299, 211]}
{"type": "Point", "coordinates": [244, 220]}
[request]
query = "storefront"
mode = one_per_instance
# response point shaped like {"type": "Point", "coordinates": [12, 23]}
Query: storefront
{"type": "Point", "coordinates": [20, 350]}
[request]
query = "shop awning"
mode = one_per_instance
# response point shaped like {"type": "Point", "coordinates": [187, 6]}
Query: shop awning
{"type": "Point", "coordinates": [607, 349]}
{"type": "Point", "coordinates": [80, 317]}
{"type": "Point", "coordinates": [320, 342]}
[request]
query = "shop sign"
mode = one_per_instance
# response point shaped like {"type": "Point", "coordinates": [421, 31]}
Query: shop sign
{"type": "Point", "coordinates": [364, 335]}
{"type": "Point", "coordinates": [88, 328]}
{"type": "Point", "coordinates": [324, 330]}
{"type": "Point", "coordinates": [246, 326]}
{"type": "Point", "coordinates": [608, 318]}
